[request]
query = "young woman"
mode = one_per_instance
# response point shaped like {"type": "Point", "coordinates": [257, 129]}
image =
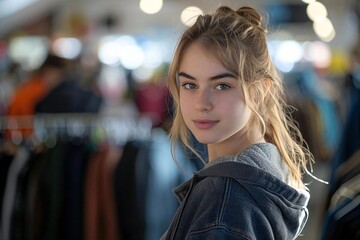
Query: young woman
{"type": "Point", "coordinates": [228, 94]}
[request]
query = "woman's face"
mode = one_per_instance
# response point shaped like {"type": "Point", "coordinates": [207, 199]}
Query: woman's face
{"type": "Point", "coordinates": [211, 101]}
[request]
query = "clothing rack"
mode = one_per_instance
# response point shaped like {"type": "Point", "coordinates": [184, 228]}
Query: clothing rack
{"type": "Point", "coordinates": [85, 188]}
{"type": "Point", "coordinates": [116, 128]}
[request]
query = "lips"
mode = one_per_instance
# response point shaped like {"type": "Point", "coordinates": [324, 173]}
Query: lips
{"type": "Point", "coordinates": [205, 124]}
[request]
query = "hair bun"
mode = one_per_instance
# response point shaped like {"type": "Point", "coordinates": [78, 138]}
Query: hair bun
{"type": "Point", "coordinates": [251, 15]}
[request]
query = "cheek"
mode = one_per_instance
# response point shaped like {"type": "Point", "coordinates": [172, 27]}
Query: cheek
{"type": "Point", "coordinates": [240, 113]}
{"type": "Point", "coordinates": [185, 106]}
{"type": "Point", "coordinates": [231, 103]}
{"type": "Point", "coordinates": [244, 114]}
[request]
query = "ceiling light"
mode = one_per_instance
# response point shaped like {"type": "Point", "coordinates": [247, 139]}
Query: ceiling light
{"type": "Point", "coordinates": [308, 1]}
{"type": "Point", "coordinates": [324, 29]}
{"type": "Point", "coordinates": [151, 6]}
{"type": "Point", "coordinates": [316, 11]}
{"type": "Point", "coordinates": [190, 14]}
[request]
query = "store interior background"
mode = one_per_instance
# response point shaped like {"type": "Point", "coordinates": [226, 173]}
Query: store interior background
{"type": "Point", "coordinates": [120, 50]}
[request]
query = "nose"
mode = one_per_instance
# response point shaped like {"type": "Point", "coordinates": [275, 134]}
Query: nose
{"type": "Point", "coordinates": [203, 101]}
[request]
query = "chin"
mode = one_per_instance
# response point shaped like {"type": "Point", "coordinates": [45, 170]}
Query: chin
{"type": "Point", "coordinates": [205, 140]}
{"type": "Point", "coordinates": [206, 137]}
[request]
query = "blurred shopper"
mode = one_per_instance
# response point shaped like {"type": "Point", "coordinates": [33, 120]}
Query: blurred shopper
{"type": "Point", "coordinates": [31, 91]}
{"type": "Point", "coordinates": [8, 83]}
{"type": "Point", "coordinates": [69, 97]}
{"type": "Point", "coordinates": [152, 97]}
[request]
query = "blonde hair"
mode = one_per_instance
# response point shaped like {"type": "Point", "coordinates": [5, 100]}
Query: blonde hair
{"type": "Point", "coordinates": [238, 40]}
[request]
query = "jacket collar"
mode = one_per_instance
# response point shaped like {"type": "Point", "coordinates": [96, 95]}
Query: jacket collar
{"type": "Point", "coordinates": [262, 160]}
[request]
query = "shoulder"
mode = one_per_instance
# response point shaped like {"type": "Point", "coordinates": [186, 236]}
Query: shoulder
{"type": "Point", "coordinates": [225, 207]}
{"type": "Point", "coordinates": [251, 208]}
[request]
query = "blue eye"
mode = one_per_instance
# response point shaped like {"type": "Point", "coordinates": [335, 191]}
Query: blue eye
{"type": "Point", "coordinates": [189, 86]}
{"type": "Point", "coordinates": [222, 86]}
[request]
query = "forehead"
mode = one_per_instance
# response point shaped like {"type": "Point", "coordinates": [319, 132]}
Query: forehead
{"type": "Point", "coordinates": [196, 57]}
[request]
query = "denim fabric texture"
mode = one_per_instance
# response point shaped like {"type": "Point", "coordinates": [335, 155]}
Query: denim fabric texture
{"type": "Point", "coordinates": [243, 197]}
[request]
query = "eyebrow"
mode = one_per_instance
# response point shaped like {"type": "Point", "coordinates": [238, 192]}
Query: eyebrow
{"type": "Point", "coordinates": [216, 77]}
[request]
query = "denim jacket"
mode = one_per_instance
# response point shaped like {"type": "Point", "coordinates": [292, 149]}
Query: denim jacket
{"type": "Point", "coordinates": [243, 197]}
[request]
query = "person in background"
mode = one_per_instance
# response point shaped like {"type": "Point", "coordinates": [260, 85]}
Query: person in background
{"type": "Point", "coordinates": [32, 90]}
{"type": "Point", "coordinates": [9, 81]}
{"type": "Point", "coordinates": [228, 94]}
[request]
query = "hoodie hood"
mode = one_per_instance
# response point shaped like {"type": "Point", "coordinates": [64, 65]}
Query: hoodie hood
{"type": "Point", "coordinates": [264, 156]}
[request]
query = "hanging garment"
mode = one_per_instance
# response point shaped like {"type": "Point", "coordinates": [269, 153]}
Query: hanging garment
{"type": "Point", "coordinates": [108, 210]}
{"type": "Point", "coordinates": [34, 212]}
{"type": "Point", "coordinates": [350, 140]}
{"type": "Point", "coordinates": [348, 190]}
{"type": "Point", "coordinates": [131, 217]}
{"type": "Point", "coordinates": [100, 219]}
{"type": "Point", "coordinates": [91, 203]}
{"type": "Point", "coordinates": [5, 162]}
{"type": "Point", "coordinates": [144, 179]}
{"type": "Point", "coordinates": [75, 161]}
{"type": "Point", "coordinates": [343, 222]}
{"type": "Point", "coordinates": [342, 216]}
{"type": "Point", "coordinates": [344, 172]}
{"type": "Point", "coordinates": [19, 162]}
{"type": "Point", "coordinates": [163, 175]}
{"type": "Point", "coordinates": [317, 114]}
{"type": "Point", "coordinates": [306, 115]}
{"type": "Point", "coordinates": [331, 130]}
{"type": "Point", "coordinates": [19, 229]}
{"type": "Point", "coordinates": [52, 189]}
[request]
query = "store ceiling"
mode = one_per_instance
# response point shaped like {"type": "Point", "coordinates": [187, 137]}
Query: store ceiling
{"type": "Point", "coordinates": [14, 14]}
{"type": "Point", "coordinates": [130, 19]}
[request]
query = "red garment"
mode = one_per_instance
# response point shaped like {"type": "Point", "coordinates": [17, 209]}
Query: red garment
{"type": "Point", "coordinates": [92, 206]}
{"type": "Point", "coordinates": [23, 103]}
{"type": "Point", "coordinates": [26, 97]}
{"type": "Point", "coordinates": [100, 209]}
{"type": "Point", "coordinates": [110, 227]}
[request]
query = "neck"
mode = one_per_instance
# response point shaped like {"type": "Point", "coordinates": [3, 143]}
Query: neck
{"type": "Point", "coordinates": [234, 145]}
